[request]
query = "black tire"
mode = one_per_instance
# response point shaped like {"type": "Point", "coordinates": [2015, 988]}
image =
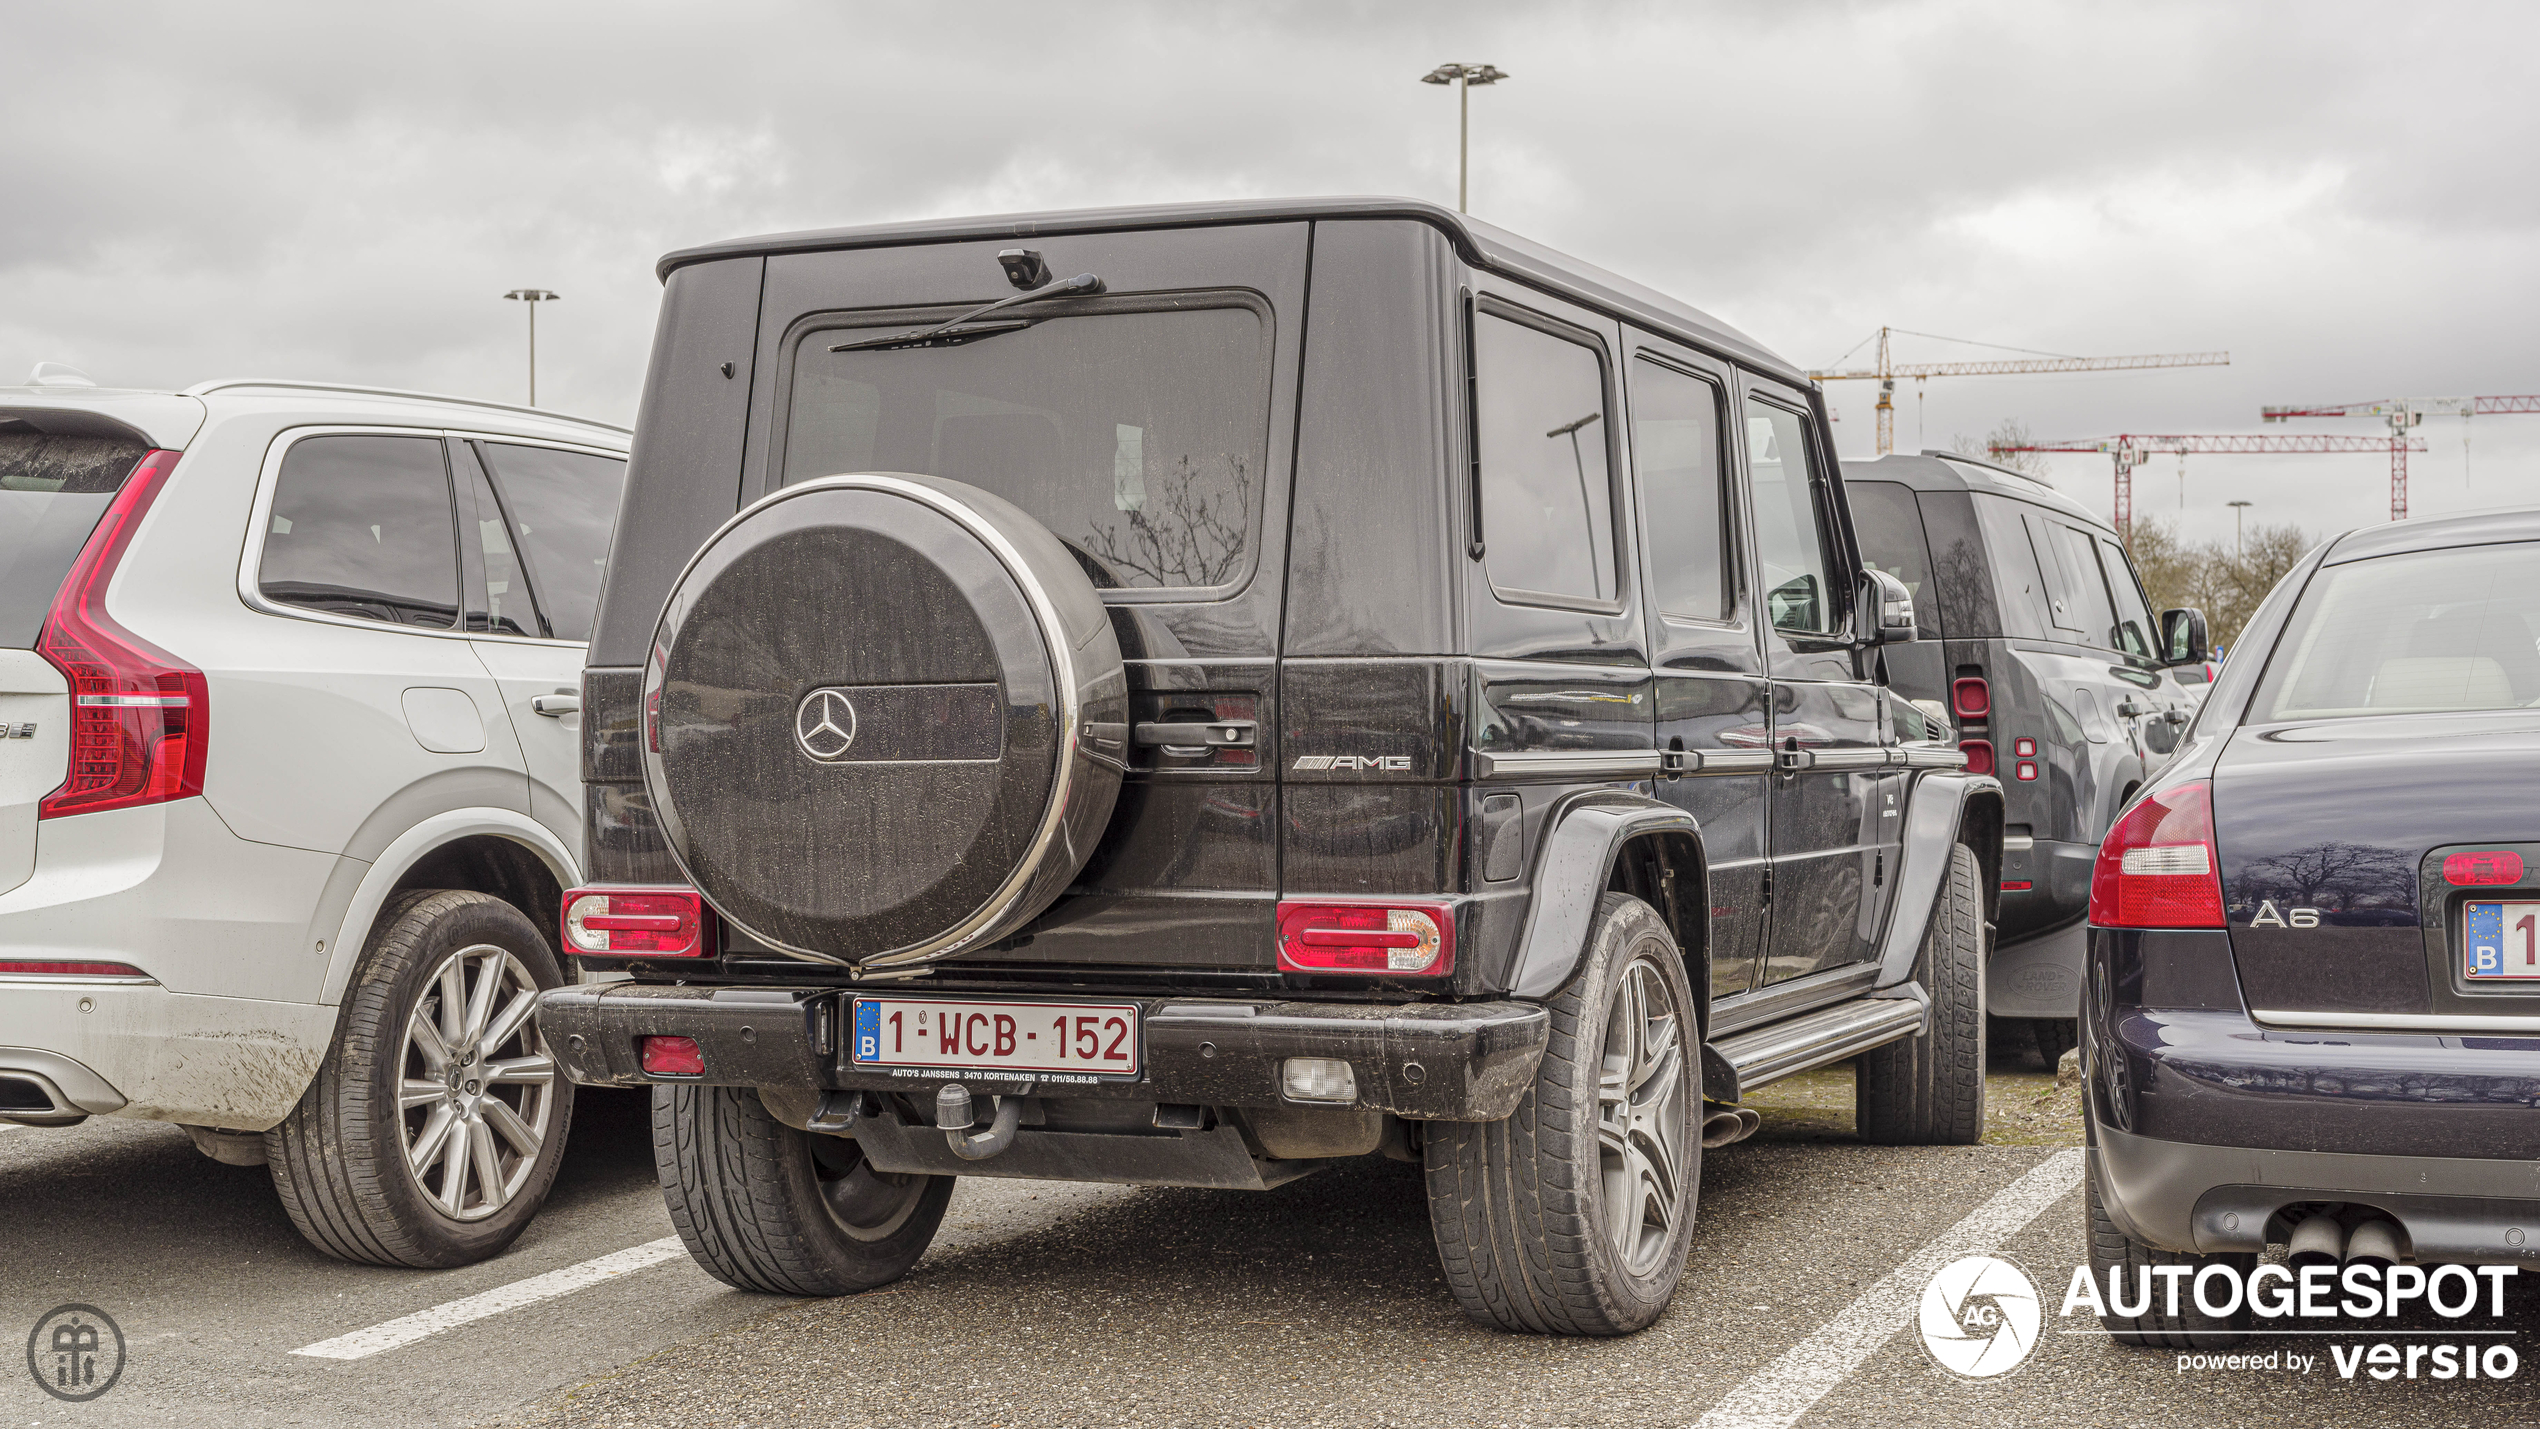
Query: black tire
{"type": "Point", "coordinates": [768, 1208]}
{"type": "Point", "coordinates": [1521, 1207]}
{"type": "Point", "coordinates": [339, 1160]}
{"type": "Point", "coordinates": [2055, 1036]}
{"type": "Point", "coordinates": [1929, 1090]}
{"type": "Point", "coordinates": [2111, 1248]}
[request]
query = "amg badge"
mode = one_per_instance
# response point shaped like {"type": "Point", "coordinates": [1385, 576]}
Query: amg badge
{"type": "Point", "coordinates": [1340, 763]}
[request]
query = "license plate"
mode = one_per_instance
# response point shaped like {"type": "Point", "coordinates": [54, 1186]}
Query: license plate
{"type": "Point", "coordinates": [2501, 941]}
{"type": "Point", "coordinates": [1050, 1038]}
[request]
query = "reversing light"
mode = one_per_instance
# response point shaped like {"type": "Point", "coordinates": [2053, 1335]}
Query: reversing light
{"type": "Point", "coordinates": [636, 922]}
{"type": "Point", "coordinates": [2156, 868]}
{"type": "Point", "coordinates": [1318, 1079]}
{"type": "Point", "coordinates": [2488, 866]}
{"type": "Point", "coordinates": [1979, 754]}
{"type": "Point", "coordinates": [673, 1057]}
{"type": "Point", "coordinates": [2026, 771]}
{"type": "Point", "coordinates": [1972, 698]}
{"type": "Point", "coordinates": [1410, 940]}
{"type": "Point", "coordinates": [2024, 747]}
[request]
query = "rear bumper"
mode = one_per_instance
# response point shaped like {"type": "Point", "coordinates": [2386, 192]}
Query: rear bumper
{"type": "Point", "coordinates": [1424, 1061]}
{"type": "Point", "coordinates": [140, 1050]}
{"type": "Point", "coordinates": [2185, 1197]}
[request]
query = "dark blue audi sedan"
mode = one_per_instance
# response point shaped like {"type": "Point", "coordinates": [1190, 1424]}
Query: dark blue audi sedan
{"type": "Point", "coordinates": [2313, 1008]}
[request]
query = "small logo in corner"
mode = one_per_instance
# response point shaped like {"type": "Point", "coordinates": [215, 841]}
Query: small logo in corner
{"type": "Point", "coordinates": [75, 1352]}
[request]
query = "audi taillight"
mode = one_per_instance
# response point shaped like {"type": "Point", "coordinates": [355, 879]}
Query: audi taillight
{"type": "Point", "coordinates": [2157, 867]}
{"type": "Point", "coordinates": [1398, 939]}
{"type": "Point", "coordinates": [636, 923]}
{"type": "Point", "coordinates": [139, 716]}
{"type": "Point", "coordinates": [1972, 698]}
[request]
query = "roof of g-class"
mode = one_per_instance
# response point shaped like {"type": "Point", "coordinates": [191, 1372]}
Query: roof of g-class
{"type": "Point", "coordinates": [1480, 244]}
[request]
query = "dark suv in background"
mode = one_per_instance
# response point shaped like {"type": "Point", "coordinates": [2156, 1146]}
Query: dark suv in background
{"type": "Point", "coordinates": [2034, 641]}
{"type": "Point", "coordinates": [1327, 679]}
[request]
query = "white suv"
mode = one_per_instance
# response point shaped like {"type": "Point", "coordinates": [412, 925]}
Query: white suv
{"type": "Point", "coordinates": [290, 784]}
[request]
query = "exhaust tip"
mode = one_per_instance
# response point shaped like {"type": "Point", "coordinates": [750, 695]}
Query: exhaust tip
{"type": "Point", "coordinates": [2318, 1240]}
{"type": "Point", "coordinates": [1727, 1125]}
{"type": "Point", "coordinates": [2374, 1243]}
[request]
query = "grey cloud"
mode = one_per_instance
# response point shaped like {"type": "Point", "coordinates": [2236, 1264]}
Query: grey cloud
{"type": "Point", "coordinates": [343, 192]}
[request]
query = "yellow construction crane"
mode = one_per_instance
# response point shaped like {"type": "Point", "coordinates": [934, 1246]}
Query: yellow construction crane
{"type": "Point", "coordinates": [1887, 372]}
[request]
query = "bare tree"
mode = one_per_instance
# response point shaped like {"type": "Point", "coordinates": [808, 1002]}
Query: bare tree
{"type": "Point", "coordinates": [2007, 433]}
{"type": "Point", "coordinates": [1184, 536]}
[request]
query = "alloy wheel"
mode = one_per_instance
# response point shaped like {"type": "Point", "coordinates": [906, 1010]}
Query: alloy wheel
{"type": "Point", "coordinates": [476, 1092]}
{"type": "Point", "coordinates": [1641, 1126]}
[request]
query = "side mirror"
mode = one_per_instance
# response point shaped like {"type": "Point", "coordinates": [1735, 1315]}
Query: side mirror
{"type": "Point", "coordinates": [1885, 613]}
{"type": "Point", "coordinates": [2183, 638]}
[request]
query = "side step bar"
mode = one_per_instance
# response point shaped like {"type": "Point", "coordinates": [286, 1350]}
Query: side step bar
{"type": "Point", "coordinates": [1813, 1040]}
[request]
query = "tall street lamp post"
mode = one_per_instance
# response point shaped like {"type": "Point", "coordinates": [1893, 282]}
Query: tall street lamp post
{"type": "Point", "coordinates": [533, 297]}
{"type": "Point", "coordinates": [1464, 77]}
{"type": "Point", "coordinates": [2237, 508]}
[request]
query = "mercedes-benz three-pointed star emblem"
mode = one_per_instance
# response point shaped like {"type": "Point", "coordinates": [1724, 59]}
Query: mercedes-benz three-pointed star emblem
{"type": "Point", "coordinates": [824, 725]}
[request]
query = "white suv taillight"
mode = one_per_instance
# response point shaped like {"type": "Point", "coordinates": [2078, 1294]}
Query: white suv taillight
{"type": "Point", "coordinates": [2157, 867]}
{"type": "Point", "coordinates": [139, 716]}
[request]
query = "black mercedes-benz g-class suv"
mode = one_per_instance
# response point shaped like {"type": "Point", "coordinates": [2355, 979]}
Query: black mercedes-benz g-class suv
{"type": "Point", "coordinates": [1325, 679]}
{"type": "Point", "coordinates": [2034, 640]}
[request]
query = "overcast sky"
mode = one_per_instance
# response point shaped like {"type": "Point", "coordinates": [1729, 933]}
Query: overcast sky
{"type": "Point", "coordinates": [2340, 195]}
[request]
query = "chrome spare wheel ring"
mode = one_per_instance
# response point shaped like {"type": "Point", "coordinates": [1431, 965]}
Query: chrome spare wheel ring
{"type": "Point", "coordinates": [476, 1093]}
{"type": "Point", "coordinates": [1640, 1117]}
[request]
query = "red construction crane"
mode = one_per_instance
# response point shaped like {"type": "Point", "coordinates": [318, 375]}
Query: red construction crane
{"type": "Point", "coordinates": [2129, 451]}
{"type": "Point", "coordinates": [2403, 413]}
{"type": "Point", "coordinates": [1887, 372]}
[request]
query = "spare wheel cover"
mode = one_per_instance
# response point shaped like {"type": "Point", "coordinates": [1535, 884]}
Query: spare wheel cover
{"type": "Point", "coordinates": [885, 717]}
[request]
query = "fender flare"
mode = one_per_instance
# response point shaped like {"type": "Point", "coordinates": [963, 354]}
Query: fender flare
{"type": "Point", "coordinates": [1586, 836]}
{"type": "Point", "coordinates": [1936, 812]}
{"type": "Point", "coordinates": [409, 849]}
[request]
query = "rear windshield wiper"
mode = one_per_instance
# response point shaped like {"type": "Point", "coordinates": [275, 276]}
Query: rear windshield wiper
{"type": "Point", "coordinates": [967, 325]}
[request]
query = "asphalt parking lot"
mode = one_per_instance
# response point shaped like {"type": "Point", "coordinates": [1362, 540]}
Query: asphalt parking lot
{"type": "Point", "coordinates": [1319, 1303]}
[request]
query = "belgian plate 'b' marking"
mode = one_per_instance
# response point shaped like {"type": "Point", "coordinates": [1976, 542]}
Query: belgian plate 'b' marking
{"type": "Point", "coordinates": [824, 725]}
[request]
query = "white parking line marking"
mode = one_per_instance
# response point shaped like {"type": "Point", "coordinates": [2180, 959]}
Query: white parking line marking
{"type": "Point", "coordinates": [1775, 1396]}
{"type": "Point", "coordinates": [422, 1324]}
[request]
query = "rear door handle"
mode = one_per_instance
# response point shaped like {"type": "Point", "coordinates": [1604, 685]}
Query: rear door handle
{"type": "Point", "coordinates": [556, 706]}
{"type": "Point", "coordinates": [1215, 734]}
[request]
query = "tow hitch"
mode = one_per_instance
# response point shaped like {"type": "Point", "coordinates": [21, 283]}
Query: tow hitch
{"type": "Point", "coordinates": [954, 1118]}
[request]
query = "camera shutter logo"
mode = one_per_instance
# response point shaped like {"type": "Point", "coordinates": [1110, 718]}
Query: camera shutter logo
{"type": "Point", "coordinates": [824, 725]}
{"type": "Point", "coordinates": [1980, 1317]}
{"type": "Point", "coordinates": [75, 1352]}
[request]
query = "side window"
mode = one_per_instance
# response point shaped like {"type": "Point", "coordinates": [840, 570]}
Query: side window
{"type": "Point", "coordinates": [2091, 611]}
{"type": "Point", "coordinates": [1676, 454]}
{"type": "Point", "coordinates": [2018, 583]}
{"type": "Point", "coordinates": [563, 507]}
{"type": "Point", "coordinates": [2136, 632]}
{"type": "Point", "coordinates": [1547, 491]}
{"type": "Point", "coordinates": [361, 526]}
{"type": "Point", "coordinates": [498, 596]}
{"type": "Point", "coordinates": [1789, 542]}
{"type": "Point", "coordinates": [1890, 528]}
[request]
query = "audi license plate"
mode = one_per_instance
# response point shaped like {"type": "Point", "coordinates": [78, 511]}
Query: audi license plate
{"type": "Point", "coordinates": [2501, 941]}
{"type": "Point", "coordinates": [1042, 1039]}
